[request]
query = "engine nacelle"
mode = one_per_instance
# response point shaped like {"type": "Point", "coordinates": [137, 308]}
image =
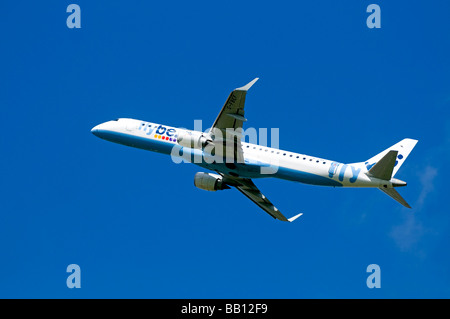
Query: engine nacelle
{"type": "Point", "coordinates": [193, 139]}
{"type": "Point", "coordinates": [209, 182]}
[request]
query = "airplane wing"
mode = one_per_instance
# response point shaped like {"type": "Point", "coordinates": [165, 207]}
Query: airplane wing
{"type": "Point", "coordinates": [227, 128]}
{"type": "Point", "coordinates": [232, 113]}
{"type": "Point", "coordinates": [249, 189]}
{"type": "Point", "coordinates": [227, 134]}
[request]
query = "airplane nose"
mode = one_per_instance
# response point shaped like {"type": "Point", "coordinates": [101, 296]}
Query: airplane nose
{"type": "Point", "coordinates": [95, 130]}
{"type": "Point", "coordinates": [104, 128]}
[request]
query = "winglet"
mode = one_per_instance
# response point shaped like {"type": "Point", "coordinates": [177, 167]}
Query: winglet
{"type": "Point", "coordinates": [248, 86]}
{"type": "Point", "coordinates": [295, 217]}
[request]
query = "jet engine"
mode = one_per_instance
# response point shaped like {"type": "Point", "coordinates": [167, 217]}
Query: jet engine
{"type": "Point", "coordinates": [209, 182]}
{"type": "Point", "coordinates": [194, 139]}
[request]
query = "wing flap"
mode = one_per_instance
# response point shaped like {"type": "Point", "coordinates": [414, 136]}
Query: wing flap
{"type": "Point", "coordinates": [264, 204]}
{"type": "Point", "coordinates": [249, 189]}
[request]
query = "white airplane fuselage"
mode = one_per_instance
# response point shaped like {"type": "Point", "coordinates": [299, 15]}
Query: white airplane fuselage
{"type": "Point", "coordinates": [236, 163]}
{"type": "Point", "coordinates": [259, 161]}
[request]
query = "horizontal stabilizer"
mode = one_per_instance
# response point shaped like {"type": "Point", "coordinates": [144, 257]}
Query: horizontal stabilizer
{"type": "Point", "coordinates": [384, 167]}
{"type": "Point", "coordinates": [395, 195]}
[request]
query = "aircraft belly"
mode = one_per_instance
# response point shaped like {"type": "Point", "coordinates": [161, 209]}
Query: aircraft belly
{"type": "Point", "coordinates": [305, 177]}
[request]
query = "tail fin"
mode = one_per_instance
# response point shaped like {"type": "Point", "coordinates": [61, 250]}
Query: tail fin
{"type": "Point", "coordinates": [403, 148]}
{"type": "Point", "coordinates": [386, 164]}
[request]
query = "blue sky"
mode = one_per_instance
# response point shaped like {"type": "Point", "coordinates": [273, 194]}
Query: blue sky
{"type": "Point", "coordinates": [133, 221]}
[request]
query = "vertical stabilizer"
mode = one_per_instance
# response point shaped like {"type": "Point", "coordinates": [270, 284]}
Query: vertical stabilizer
{"type": "Point", "coordinates": [404, 147]}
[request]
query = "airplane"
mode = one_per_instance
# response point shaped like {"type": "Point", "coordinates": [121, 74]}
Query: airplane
{"type": "Point", "coordinates": [235, 162]}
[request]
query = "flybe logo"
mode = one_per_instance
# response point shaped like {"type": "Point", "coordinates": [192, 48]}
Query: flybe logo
{"type": "Point", "coordinates": [159, 131]}
{"type": "Point", "coordinates": [334, 169]}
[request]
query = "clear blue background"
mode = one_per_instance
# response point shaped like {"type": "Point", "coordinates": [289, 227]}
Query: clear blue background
{"type": "Point", "coordinates": [134, 222]}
